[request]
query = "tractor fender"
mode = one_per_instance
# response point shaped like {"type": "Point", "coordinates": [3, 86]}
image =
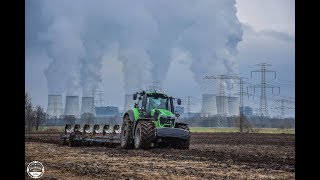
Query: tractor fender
{"type": "Point", "coordinates": [135, 121]}
{"type": "Point", "coordinates": [131, 115]}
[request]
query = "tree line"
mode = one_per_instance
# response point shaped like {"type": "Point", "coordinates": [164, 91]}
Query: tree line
{"type": "Point", "coordinates": [245, 123]}
{"type": "Point", "coordinates": [34, 116]}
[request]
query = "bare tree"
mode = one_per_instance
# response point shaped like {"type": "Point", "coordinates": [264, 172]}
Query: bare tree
{"type": "Point", "coordinates": [39, 116]}
{"type": "Point", "coordinates": [29, 114]}
{"type": "Point", "coordinates": [243, 124]}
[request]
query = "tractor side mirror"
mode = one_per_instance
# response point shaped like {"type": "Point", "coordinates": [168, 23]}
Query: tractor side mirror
{"type": "Point", "coordinates": [134, 96]}
{"type": "Point", "coordinates": [179, 101]}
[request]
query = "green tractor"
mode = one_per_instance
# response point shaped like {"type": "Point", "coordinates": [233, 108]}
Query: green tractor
{"type": "Point", "coordinates": [152, 122]}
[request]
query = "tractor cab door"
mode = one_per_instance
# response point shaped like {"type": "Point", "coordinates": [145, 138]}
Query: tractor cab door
{"type": "Point", "coordinates": [146, 105]}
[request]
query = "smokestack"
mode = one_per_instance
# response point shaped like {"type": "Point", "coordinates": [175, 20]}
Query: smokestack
{"type": "Point", "coordinates": [128, 102]}
{"type": "Point", "coordinates": [222, 105]}
{"type": "Point", "coordinates": [233, 106]}
{"type": "Point", "coordinates": [72, 106]}
{"type": "Point", "coordinates": [87, 105]}
{"type": "Point", "coordinates": [54, 105]}
{"type": "Point", "coordinates": [209, 107]}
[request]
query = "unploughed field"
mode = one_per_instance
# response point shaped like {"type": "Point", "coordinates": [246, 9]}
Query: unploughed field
{"type": "Point", "coordinates": [211, 156]}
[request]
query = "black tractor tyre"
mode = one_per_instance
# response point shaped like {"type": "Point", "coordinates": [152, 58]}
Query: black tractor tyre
{"type": "Point", "coordinates": [183, 143]}
{"type": "Point", "coordinates": [144, 135]}
{"type": "Point", "coordinates": [126, 133]}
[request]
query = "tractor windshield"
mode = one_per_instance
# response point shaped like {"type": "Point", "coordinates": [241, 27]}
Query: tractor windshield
{"type": "Point", "coordinates": [158, 102]}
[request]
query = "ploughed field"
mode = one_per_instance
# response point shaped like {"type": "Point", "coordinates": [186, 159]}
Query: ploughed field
{"type": "Point", "coordinates": [211, 156]}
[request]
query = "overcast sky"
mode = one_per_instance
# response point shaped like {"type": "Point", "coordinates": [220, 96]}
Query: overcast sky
{"type": "Point", "coordinates": [268, 36]}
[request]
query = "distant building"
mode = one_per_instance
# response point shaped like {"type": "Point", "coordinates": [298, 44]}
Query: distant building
{"type": "Point", "coordinates": [107, 111]}
{"type": "Point", "coordinates": [247, 110]}
{"type": "Point", "coordinates": [179, 109]}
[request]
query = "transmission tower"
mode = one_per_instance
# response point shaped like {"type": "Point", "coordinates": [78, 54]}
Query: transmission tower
{"type": "Point", "coordinates": [282, 108]}
{"type": "Point", "coordinates": [263, 109]}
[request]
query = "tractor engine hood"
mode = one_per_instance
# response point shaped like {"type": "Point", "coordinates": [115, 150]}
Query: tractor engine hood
{"type": "Point", "coordinates": [163, 112]}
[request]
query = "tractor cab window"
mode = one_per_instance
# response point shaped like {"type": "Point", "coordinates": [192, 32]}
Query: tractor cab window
{"type": "Point", "coordinates": [156, 102]}
{"type": "Point", "coordinates": [139, 103]}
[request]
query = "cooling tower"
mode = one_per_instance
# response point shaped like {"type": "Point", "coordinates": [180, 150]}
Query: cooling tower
{"type": "Point", "coordinates": [128, 102]}
{"type": "Point", "coordinates": [233, 106]}
{"type": "Point", "coordinates": [87, 105]}
{"type": "Point", "coordinates": [54, 105]}
{"type": "Point", "coordinates": [72, 106]}
{"type": "Point", "coordinates": [209, 107]}
{"type": "Point", "coordinates": [222, 105]}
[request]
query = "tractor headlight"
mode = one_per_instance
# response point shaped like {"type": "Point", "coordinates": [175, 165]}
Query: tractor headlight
{"type": "Point", "coordinates": [170, 120]}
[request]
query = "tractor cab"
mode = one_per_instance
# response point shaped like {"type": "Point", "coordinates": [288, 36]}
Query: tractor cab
{"type": "Point", "coordinates": [153, 122]}
{"type": "Point", "coordinates": [150, 102]}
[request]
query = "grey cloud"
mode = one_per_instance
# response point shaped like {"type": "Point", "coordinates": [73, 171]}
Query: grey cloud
{"type": "Point", "coordinates": [282, 36]}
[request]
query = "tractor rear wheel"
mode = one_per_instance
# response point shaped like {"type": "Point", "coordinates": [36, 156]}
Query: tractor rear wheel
{"type": "Point", "coordinates": [144, 135]}
{"type": "Point", "coordinates": [183, 143]}
{"type": "Point", "coordinates": [126, 133]}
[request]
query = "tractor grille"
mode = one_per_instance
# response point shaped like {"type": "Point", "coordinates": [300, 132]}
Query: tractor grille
{"type": "Point", "coordinates": [164, 120]}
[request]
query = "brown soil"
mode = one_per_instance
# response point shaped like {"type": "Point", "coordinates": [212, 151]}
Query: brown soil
{"type": "Point", "coordinates": [211, 156]}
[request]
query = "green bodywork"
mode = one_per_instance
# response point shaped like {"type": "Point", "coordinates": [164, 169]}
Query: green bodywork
{"type": "Point", "coordinates": [162, 113]}
{"type": "Point", "coordinates": [136, 113]}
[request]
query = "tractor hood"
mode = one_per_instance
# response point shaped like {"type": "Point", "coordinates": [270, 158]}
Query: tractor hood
{"type": "Point", "coordinates": [163, 112]}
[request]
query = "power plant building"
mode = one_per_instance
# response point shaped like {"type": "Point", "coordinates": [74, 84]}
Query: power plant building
{"type": "Point", "coordinates": [233, 106]}
{"type": "Point", "coordinates": [128, 102]}
{"type": "Point", "coordinates": [106, 111]}
{"type": "Point", "coordinates": [72, 106]}
{"type": "Point", "coordinates": [55, 108]}
{"type": "Point", "coordinates": [179, 109]}
{"type": "Point", "coordinates": [222, 105]}
{"type": "Point", "coordinates": [247, 110]}
{"type": "Point", "coordinates": [209, 107]}
{"type": "Point", "coordinates": [87, 105]}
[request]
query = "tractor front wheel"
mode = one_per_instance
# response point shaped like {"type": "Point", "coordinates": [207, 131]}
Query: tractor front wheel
{"type": "Point", "coordinates": [183, 143]}
{"type": "Point", "coordinates": [144, 135]}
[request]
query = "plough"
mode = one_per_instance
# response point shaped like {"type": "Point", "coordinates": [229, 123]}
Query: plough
{"type": "Point", "coordinates": [91, 135]}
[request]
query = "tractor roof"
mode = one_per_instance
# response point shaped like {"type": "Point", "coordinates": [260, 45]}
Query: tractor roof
{"type": "Point", "coordinates": [155, 92]}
